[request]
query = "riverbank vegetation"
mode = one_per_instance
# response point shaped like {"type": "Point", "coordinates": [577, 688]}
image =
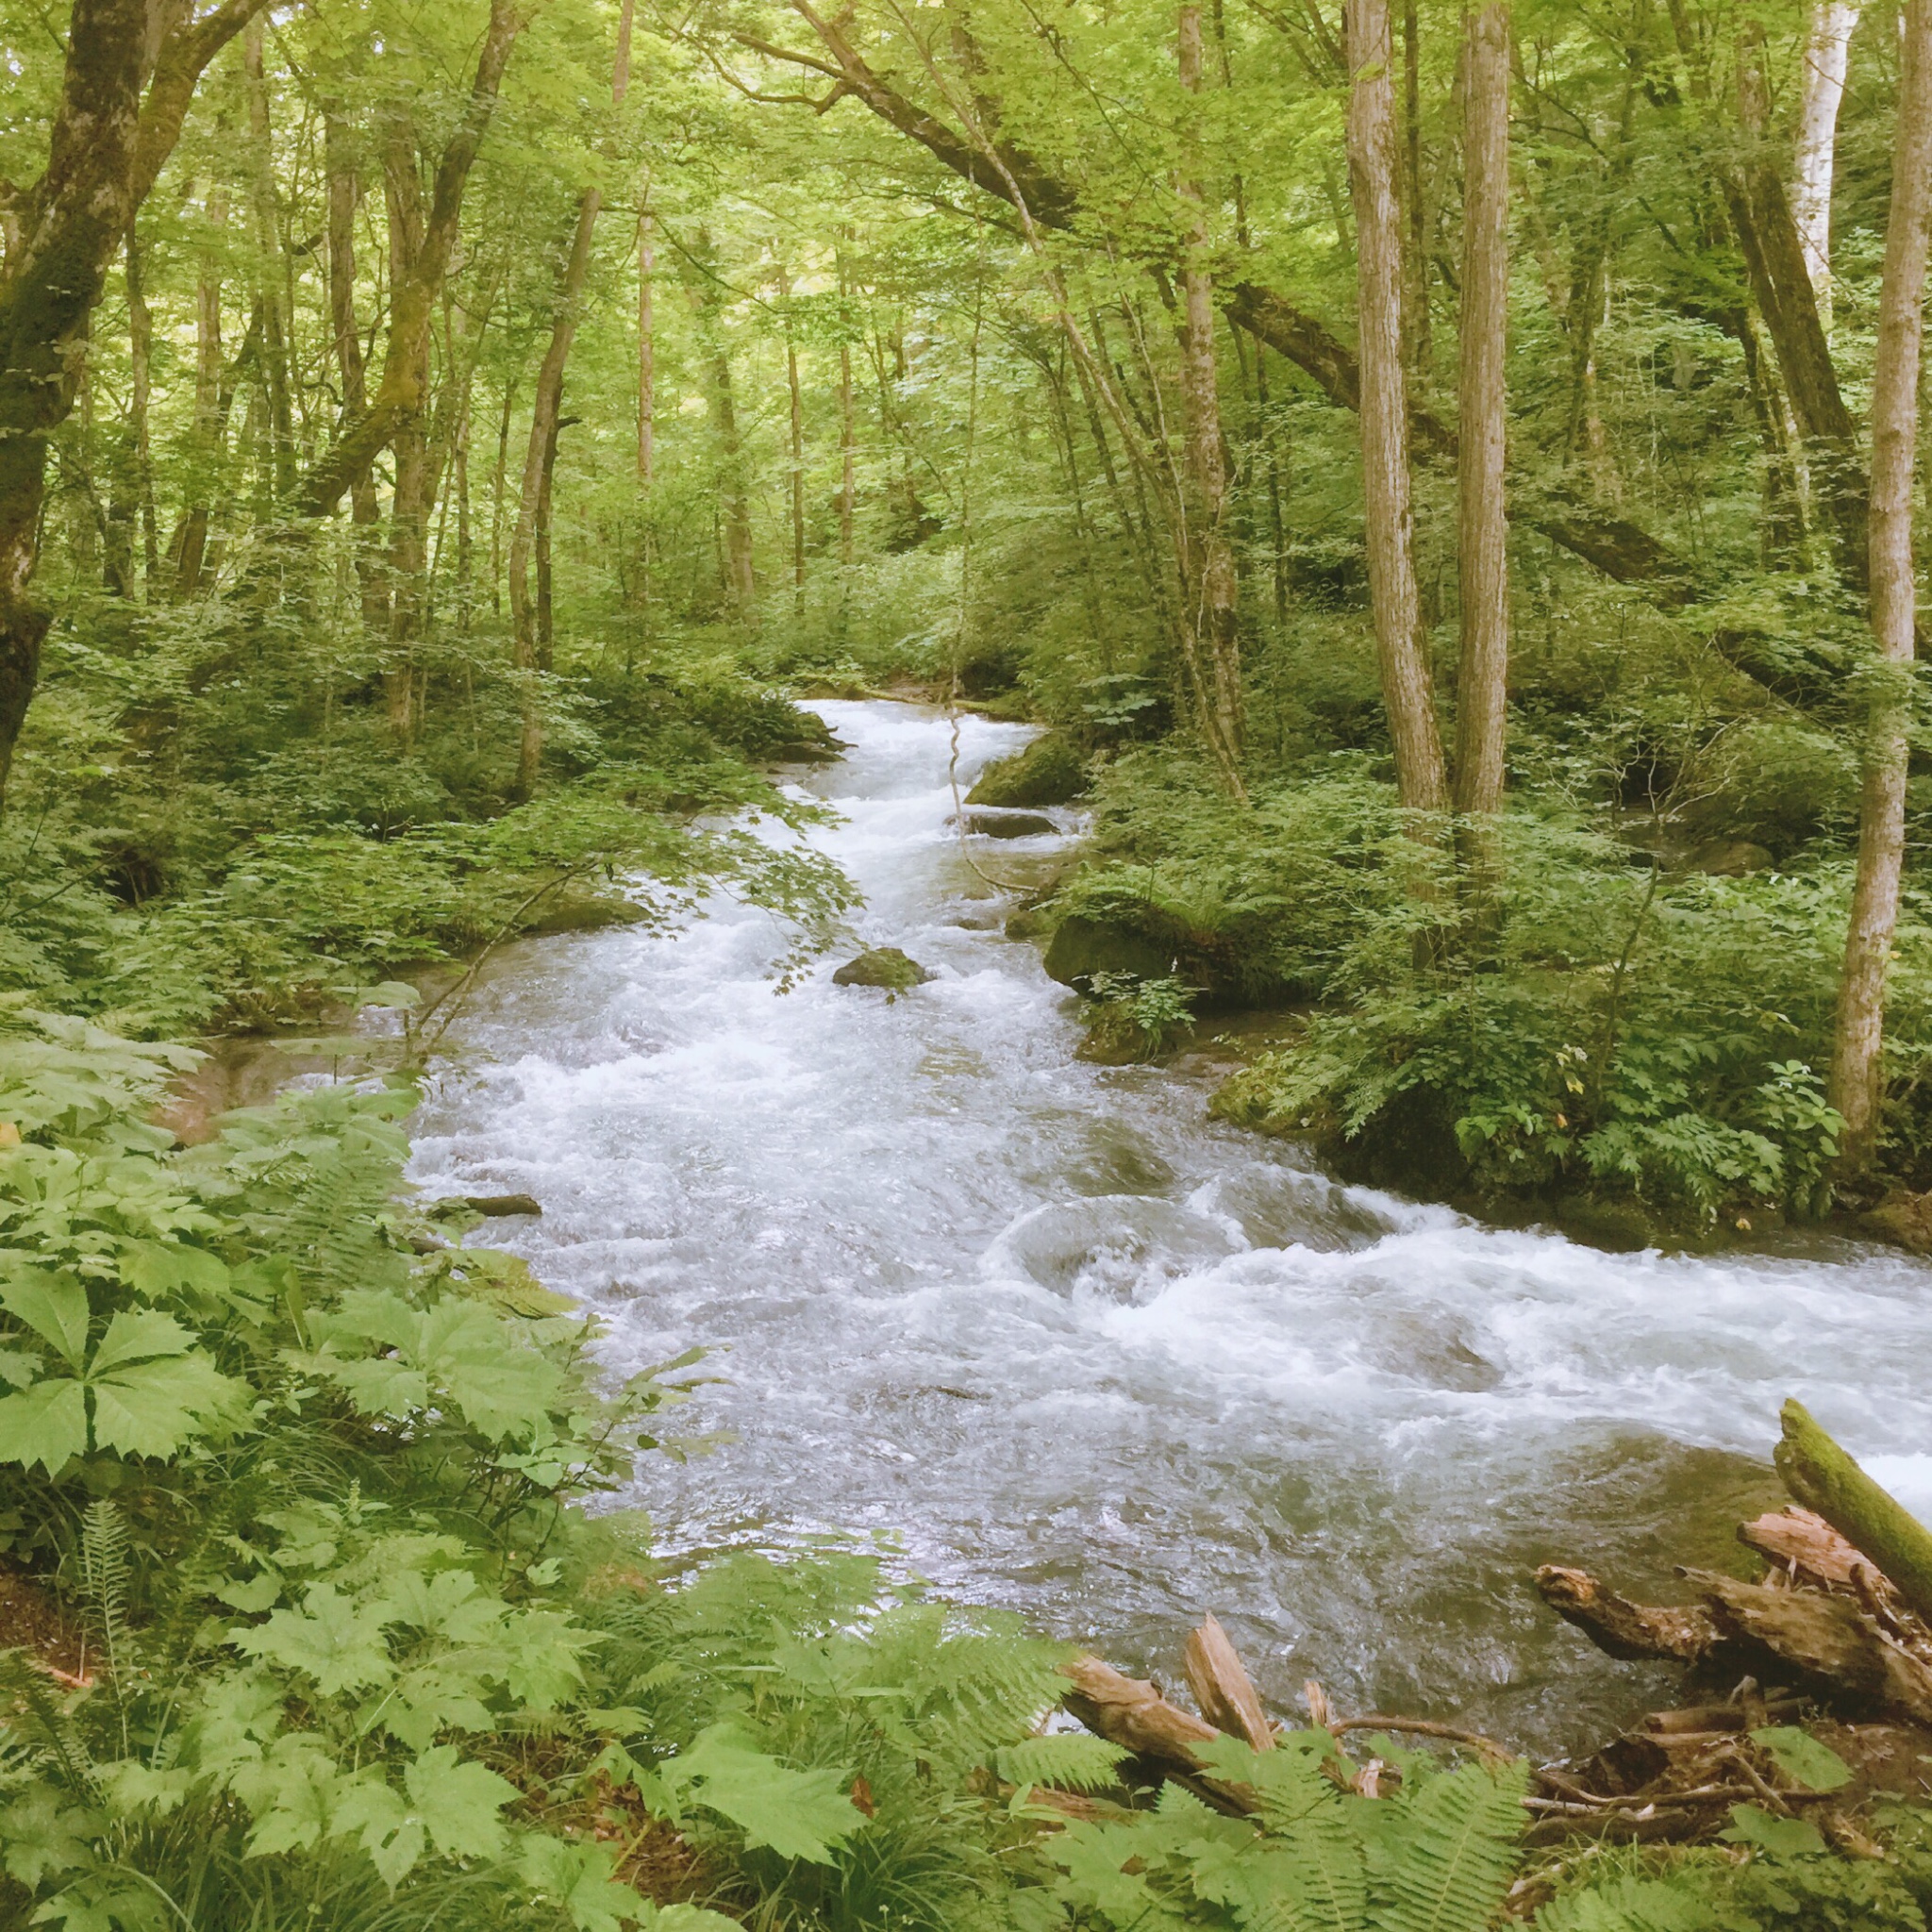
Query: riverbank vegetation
{"type": "Point", "coordinates": [313, 1629]}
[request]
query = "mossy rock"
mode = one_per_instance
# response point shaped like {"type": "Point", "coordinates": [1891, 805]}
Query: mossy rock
{"type": "Point", "coordinates": [581, 912]}
{"type": "Point", "coordinates": [885, 967]}
{"type": "Point", "coordinates": [1084, 944]}
{"type": "Point", "coordinates": [1048, 772]}
{"type": "Point", "coordinates": [1010, 824]}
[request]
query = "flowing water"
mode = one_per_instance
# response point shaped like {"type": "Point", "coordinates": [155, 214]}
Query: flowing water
{"type": "Point", "coordinates": [1091, 1353]}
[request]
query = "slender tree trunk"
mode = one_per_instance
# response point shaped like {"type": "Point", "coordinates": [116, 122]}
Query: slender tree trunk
{"type": "Point", "coordinates": [1857, 1081]}
{"type": "Point", "coordinates": [1822, 88]}
{"type": "Point", "coordinates": [410, 502]}
{"type": "Point", "coordinates": [499, 499]}
{"type": "Point", "coordinates": [1212, 619]}
{"type": "Point", "coordinates": [345, 193]}
{"type": "Point", "coordinates": [797, 473]}
{"type": "Point", "coordinates": [1780, 280]}
{"type": "Point", "coordinates": [1482, 683]}
{"type": "Point", "coordinates": [140, 346]}
{"type": "Point", "coordinates": [400, 394]}
{"type": "Point", "coordinates": [546, 606]}
{"type": "Point", "coordinates": [1415, 285]}
{"type": "Point", "coordinates": [190, 546]}
{"type": "Point", "coordinates": [270, 278]}
{"type": "Point", "coordinates": [1419, 774]}
{"type": "Point", "coordinates": [848, 432]}
{"type": "Point", "coordinates": [538, 459]}
{"type": "Point", "coordinates": [647, 353]}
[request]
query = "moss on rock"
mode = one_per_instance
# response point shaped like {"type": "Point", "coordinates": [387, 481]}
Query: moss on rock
{"type": "Point", "coordinates": [1048, 772]}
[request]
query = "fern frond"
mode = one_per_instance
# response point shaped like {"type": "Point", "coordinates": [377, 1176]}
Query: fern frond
{"type": "Point", "coordinates": [107, 1580]}
{"type": "Point", "coordinates": [1069, 1763]}
{"type": "Point", "coordinates": [1631, 1905]}
{"type": "Point", "coordinates": [1447, 1851]}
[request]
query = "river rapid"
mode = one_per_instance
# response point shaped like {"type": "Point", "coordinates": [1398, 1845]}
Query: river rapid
{"type": "Point", "coordinates": [1086, 1352]}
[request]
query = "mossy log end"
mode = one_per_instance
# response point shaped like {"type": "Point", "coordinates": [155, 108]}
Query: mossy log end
{"type": "Point", "coordinates": [1823, 1477]}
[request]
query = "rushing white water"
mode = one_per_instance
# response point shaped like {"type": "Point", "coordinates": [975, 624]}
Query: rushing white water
{"type": "Point", "coordinates": [1096, 1355]}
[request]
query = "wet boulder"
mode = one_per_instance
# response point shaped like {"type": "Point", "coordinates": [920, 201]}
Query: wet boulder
{"type": "Point", "coordinates": [1010, 824]}
{"type": "Point", "coordinates": [1084, 944]}
{"type": "Point", "coordinates": [882, 966]}
{"type": "Point", "coordinates": [1048, 772]}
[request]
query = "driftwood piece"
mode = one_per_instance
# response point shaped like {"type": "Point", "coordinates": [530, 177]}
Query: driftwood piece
{"type": "Point", "coordinates": [1130, 1713]}
{"type": "Point", "coordinates": [1823, 1477]}
{"type": "Point", "coordinates": [1824, 1637]}
{"type": "Point", "coordinates": [1223, 1688]}
{"type": "Point", "coordinates": [1803, 1544]}
{"type": "Point", "coordinates": [1631, 1632]}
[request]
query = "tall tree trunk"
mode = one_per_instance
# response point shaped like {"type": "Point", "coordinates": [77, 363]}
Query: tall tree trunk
{"type": "Point", "coordinates": [1822, 88]}
{"type": "Point", "coordinates": [190, 546]}
{"type": "Point", "coordinates": [1482, 530]}
{"type": "Point", "coordinates": [1420, 776]}
{"type": "Point", "coordinates": [1415, 282]}
{"type": "Point", "coordinates": [1212, 619]}
{"type": "Point", "coordinates": [400, 394]}
{"type": "Point", "coordinates": [104, 151]}
{"type": "Point", "coordinates": [538, 459]}
{"type": "Point", "coordinates": [546, 607]}
{"type": "Point", "coordinates": [409, 501]}
{"type": "Point", "coordinates": [848, 436]}
{"type": "Point", "coordinates": [797, 471]}
{"type": "Point", "coordinates": [140, 327]}
{"type": "Point", "coordinates": [270, 278]}
{"type": "Point", "coordinates": [1857, 1058]}
{"type": "Point", "coordinates": [345, 193]}
{"type": "Point", "coordinates": [647, 353]}
{"type": "Point", "coordinates": [1781, 283]}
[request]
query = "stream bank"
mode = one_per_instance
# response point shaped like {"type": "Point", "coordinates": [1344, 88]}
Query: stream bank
{"type": "Point", "coordinates": [1094, 1354]}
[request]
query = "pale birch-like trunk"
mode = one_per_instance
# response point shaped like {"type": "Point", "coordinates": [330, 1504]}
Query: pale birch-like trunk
{"type": "Point", "coordinates": [1822, 89]}
{"type": "Point", "coordinates": [538, 461]}
{"type": "Point", "coordinates": [1421, 776]}
{"type": "Point", "coordinates": [1857, 1083]}
{"type": "Point", "coordinates": [1482, 683]}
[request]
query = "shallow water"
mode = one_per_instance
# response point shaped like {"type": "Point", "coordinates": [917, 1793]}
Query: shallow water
{"type": "Point", "coordinates": [1096, 1355]}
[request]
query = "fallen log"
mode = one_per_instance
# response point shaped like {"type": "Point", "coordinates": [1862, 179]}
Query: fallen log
{"type": "Point", "coordinates": [1223, 1688]}
{"type": "Point", "coordinates": [1130, 1713]}
{"type": "Point", "coordinates": [1633, 1633]}
{"type": "Point", "coordinates": [1823, 1477]}
{"type": "Point", "coordinates": [1826, 1638]}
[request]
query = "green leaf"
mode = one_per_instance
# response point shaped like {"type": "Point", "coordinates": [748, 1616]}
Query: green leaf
{"type": "Point", "coordinates": [458, 1803]}
{"type": "Point", "coordinates": [55, 1307]}
{"type": "Point", "coordinates": [153, 1407]}
{"type": "Point", "coordinates": [1801, 1757]}
{"type": "Point", "coordinates": [41, 1835]}
{"type": "Point", "coordinates": [799, 1814]}
{"type": "Point", "coordinates": [1444, 1853]}
{"type": "Point", "coordinates": [1781, 1837]}
{"type": "Point", "coordinates": [138, 1335]}
{"type": "Point", "coordinates": [331, 1639]}
{"type": "Point", "coordinates": [47, 1424]}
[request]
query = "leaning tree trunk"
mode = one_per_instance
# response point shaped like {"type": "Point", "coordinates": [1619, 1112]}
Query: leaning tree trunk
{"type": "Point", "coordinates": [1822, 89]}
{"type": "Point", "coordinates": [1857, 1068]}
{"type": "Point", "coordinates": [1482, 682]}
{"type": "Point", "coordinates": [1420, 776]}
{"type": "Point", "coordinates": [1211, 620]}
{"type": "Point", "coordinates": [104, 151]}
{"type": "Point", "coordinates": [544, 421]}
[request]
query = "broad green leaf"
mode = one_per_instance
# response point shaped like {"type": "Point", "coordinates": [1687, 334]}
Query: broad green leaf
{"type": "Point", "coordinates": [458, 1803]}
{"type": "Point", "coordinates": [1782, 1838]}
{"type": "Point", "coordinates": [138, 1335]}
{"type": "Point", "coordinates": [55, 1307]}
{"type": "Point", "coordinates": [153, 1407]}
{"type": "Point", "coordinates": [799, 1814]}
{"type": "Point", "coordinates": [46, 1424]}
{"type": "Point", "coordinates": [1801, 1756]}
{"type": "Point", "coordinates": [40, 1834]}
{"type": "Point", "coordinates": [331, 1639]}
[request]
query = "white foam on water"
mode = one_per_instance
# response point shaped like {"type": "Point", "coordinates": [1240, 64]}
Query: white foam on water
{"type": "Point", "coordinates": [1094, 1354]}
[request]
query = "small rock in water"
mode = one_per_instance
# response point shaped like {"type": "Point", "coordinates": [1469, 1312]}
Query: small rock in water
{"type": "Point", "coordinates": [1010, 824]}
{"type": "Point", "coordinates": [882, 966]}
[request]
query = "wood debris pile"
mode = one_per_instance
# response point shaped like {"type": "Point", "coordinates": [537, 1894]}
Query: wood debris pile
{"type": "Point", "coordinates": [1832, 1649]}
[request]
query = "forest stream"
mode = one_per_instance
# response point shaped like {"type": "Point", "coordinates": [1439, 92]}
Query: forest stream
{"type": "Point", "coordinates": [1091, 1353]}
